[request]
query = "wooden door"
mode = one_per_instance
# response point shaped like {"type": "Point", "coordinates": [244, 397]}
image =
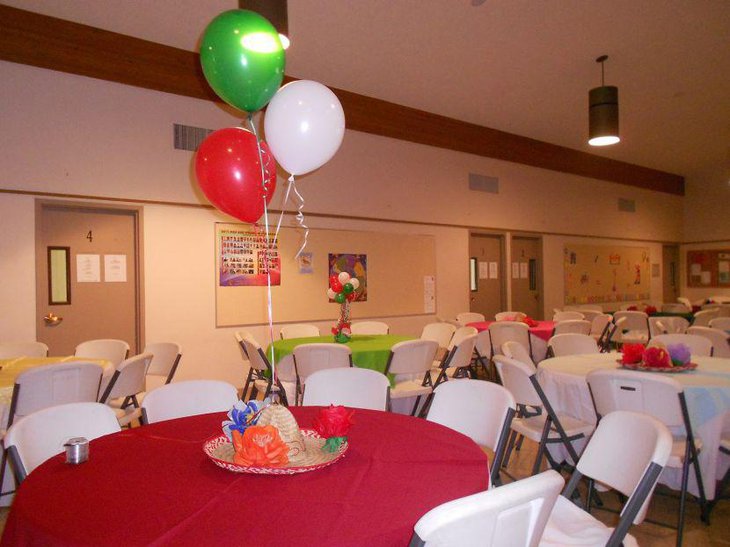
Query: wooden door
{"type": "Point", "coordinates": [670, 273]}
{"type": "Point", "coordinates": [102, 294]}
{"type": "Point", "coordinates": [487, 274]}
{"type": "Point", "coordinates": [526, 276]}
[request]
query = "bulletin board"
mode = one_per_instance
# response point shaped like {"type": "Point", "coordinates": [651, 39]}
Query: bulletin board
{"type": "Point", "coordinates": [709, 268]}
{"type": "Point", "coordinates": [401, 270]}
{"type": "Point", "coordinates": [596, 274]}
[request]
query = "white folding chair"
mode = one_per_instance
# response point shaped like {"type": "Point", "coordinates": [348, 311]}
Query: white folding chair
{"type": "Point", "coordinates": [686, 302]}
{"type": "Point", "coordinates": [309, 358]}
{"type": "Point", "coordinates": [703, 317]}
{"type": "Point", "coordinates": [188, 398]}
{"type": "Point", "coordinates": [411, 362]}
{"type": "Point", "coordinates": [260, 377]}
{"type": "Point", "coordinates": [480, 410]}
{"type": "Point", "coordinates": [456, 364]}
{"type": "Point", "coordinates": [509, 316]}
{"type": "Point", "coordinates": [663, 398]}
{"type": "Point", "coordinates": [635, 327]}
{"type": "Point", "coordinates": [722, 323]}
{"type": "Point", "coordinates": [127, 382]}
{"type": "Point", "coordinates": [575, 326]}
{"type": "Point", "coordinates": [8, 350]}
{"type": "Point", "coordinates": [600, 328]}
{"type": "Point", "coordinates": [165, 360]}
{"type": "Point", "coordinates": [568, 316]}
{"type": "Point", "coordinates": [719, 339]}
{"type": "Point", "coordinates": [114, 351]}
{"type": "Point", "coordinates": [369, 327]}
{"type": "Point", "coordinates": [627, 452]}
{"type": "Point", "coordinates": [506, 331]}
{"type": "Point", "coordinates": [469, 317]}
{"type": "Point", "coordinates": [40, 435]}
{"type": "Point", "coordinates": [513, 515]}
{"type": "Point", "coordinates": [441, 333]}
{"type": "Point", "coordinates": [698, 345]}
{"type": "Point", "coordinates": [299, 330]}
{"type": "Point", "coordinates": [545, 428]}
{"type": "Point", "coordinates": [352, 387]}
{"type": "Point", "coordinates": [515, 350]}
{"type": "Point", "coordinates": [673, 324]}
{"type": "Point", "coordinates": [572, 344]}
{"type": "Point", "coordinates": [669, 307]}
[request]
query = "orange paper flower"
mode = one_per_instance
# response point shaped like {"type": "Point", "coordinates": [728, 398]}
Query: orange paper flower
{"type": "Point", "coordinates": [260, 446]}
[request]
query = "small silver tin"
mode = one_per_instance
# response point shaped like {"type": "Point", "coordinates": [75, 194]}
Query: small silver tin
{"type": "Point", "coordinates": [77, 450]}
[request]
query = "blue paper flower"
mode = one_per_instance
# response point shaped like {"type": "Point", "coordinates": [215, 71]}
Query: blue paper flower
{"type": "Point", "coordinates": [241, 416]}
{"type": "Point", "coordinates": [680, 354]}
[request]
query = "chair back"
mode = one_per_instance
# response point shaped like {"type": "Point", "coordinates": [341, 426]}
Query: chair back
{"type": "Point", "coordinates": [460, 334]}
{"type": "Point", "coordinates": [128, 378]}
{"type": "Point", "coordinates": [460, 355]}
{"type": "Point", "coordinates": [514, 514]}
{"type": "Point", "coordinates": [369, 327]}
{"type": "Point", "coordinates": [702, 318]}
{"type": "Point", "coordinates": [572, 344]}
{"type": "Point", "coordinates": [599, 324]}
{"type": "Point", "coordinates": [685, 301]}
{"type": "Point", "coordinates": [165, 359]}
{"type": "Point", "coordinates": [635, 320]}
{"type": "Point", "coordinates": [411, 357]}
{"type": "Point", "coordinates": [188, 398]}
{"type": "Point", "coordinates": [515, 376]}
{"type": "Point", "coordinates": [440, 332]}
{"type": "Point", "coordinates": [41, 435]}
{"type": "Point", "coordinates": [506, 331]}
{"type": "Point", "coordinates": [515, 350]}
{"type": "Point", "coordinates": [669, 307]}
{"type": "Point", "coordinates": [309, 358]}
{"type": "Point", "coordinates": [299, 330]}
{"type": "Point", "coordinates": [55, 384]}
{"type": "Point", "coordinates": [615, 389]}
{"type": "Point", "coordinates": [114, 351]}
{"type": "Point", "coordinates": [719, 339]}
{"type": "Point", "coordinates": [8, 350]}
{"type": "Point", "coordinates": [698, 345]}
{"type": "Point", "coordinates": [673, 324]}
{"type": "Point", "coordinates": [256, 356]}
{"type": "Point", "coordinates": [469, 317]}
{"type": "Point", "coordinates": [509, 316]}
{"type": "Point", "coordinates": [483, 344]}
{"type": "Point", "coordinates": [352, 387]}
{"type": "Point", "coordinates": [575, 326]}
{"type": "Point", "coordinates": [590, 315]}
{"type": "Point", "coordinates": [722, 323]}
{"type": "Point", "coordinates": [568, 316]}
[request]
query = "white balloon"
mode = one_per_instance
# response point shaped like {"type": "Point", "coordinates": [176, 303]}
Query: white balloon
{"type": "Point", "coordinates": [331, 294]}
{"type": "Point", "coordinates": [355, 282]}
{"type": "Point", "coordinates": [304, 125]}
{"type": "Point", "coordinates": [344, 277]}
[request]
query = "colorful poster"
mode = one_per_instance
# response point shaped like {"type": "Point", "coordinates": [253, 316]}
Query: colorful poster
{"type": "Point", "coordinates": [243, 260]}
{"type": "Point", "coordinates": [356, 266]}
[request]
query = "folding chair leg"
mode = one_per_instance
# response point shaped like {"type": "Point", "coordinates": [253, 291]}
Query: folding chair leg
{"type": "Point", "coordinates": [415, 405]}
{"type": "Point", "coordinates": [510, 445]}
{"type": "Point", "coordinates": [683, 497]}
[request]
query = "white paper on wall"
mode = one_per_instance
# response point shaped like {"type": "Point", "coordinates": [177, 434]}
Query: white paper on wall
{"type": "Point", "coordinates": [493, 270]}
{"type": "Point", "coordinates": [523, 270]}
{"type": "Point", "coordinates": [515, 270]}
{"type": "Point", "coordinates": [483, 270]}
{"type": "Point", "coordinates": [429, 294]}
{"type": "Point", "coordinates": [115, 268]}
{"type": "Point", "coordinates": [88, 268]}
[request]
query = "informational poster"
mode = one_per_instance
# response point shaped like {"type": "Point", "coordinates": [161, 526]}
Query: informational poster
{"type": "Point", "coordinates": [246, 257]}
{"type": "Point", "coordinates": [354, 264]}
{"type": "Point", "coordinates": [429, 294]}
{"type": "Point", "coordinates": [304, 261]}
{"type": "Point", "coordinates": [493, 270]}
{"type": "Point", "coordinates": [115, 268]}
{"type": "Point", "coordinates": [88, 268]}
{"type": "Point", "coordinates": [708, 268]}
{"type": "Point", "coordinates": [524, 271]}
{"type": "Point", "coordinates": [515, 270]}
{"type": "Point", "coordinates": [483, 270]}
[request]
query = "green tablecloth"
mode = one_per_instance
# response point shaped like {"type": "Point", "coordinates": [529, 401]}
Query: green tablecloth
{"type": "Point", "coordinates": [688, 316]}
{"type": "Point", "coordinates": [368, 351]}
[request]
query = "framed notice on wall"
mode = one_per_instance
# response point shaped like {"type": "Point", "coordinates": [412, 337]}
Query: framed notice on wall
{"type": "Point", "coordinates": [243, 258]}
{"type": "Point", "coordinates": [708, 268]}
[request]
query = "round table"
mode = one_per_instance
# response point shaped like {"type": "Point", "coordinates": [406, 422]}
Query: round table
{"type": "Point", "coordinates": [154, 484]}
{"type": "Point", "coordinates": [707, 391]}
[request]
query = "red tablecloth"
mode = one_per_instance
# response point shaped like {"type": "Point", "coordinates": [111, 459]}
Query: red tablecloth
{"type": "Point", "coordinates": [544, 329]}
{"type": "Point", "coordinates": [154, 484]}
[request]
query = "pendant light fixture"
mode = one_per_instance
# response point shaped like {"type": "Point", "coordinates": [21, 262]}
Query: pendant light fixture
{"type": "Point", "coordinates": [603, 112]}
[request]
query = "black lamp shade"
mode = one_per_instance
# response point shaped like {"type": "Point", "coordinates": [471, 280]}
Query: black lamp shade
{"type": "Point", "coordinates": [603, 116]}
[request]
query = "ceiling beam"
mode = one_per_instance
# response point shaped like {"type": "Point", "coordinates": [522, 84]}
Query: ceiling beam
{"type": "Point", "coordinates": [274, 10]}
{"type": "Point", "coordinates": [56, 44]}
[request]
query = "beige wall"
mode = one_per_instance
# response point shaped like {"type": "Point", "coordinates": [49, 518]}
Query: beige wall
{"type": "Point", "coordinates": [74, 135]}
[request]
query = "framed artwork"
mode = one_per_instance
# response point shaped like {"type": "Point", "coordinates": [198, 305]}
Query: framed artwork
{"type": "Point", "coordinates": [354, 264]}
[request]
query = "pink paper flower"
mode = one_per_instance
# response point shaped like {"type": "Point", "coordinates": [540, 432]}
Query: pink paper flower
{"type": "Point", "coordinates": [632, 353]}
{"type": "Point", "coordinates": [656, 358]}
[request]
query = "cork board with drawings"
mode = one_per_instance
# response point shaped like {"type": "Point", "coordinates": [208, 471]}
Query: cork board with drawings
{"type": "Point", "coordinates": [708, 268]}
{"type": "Point", "coordinates": [596, 274]}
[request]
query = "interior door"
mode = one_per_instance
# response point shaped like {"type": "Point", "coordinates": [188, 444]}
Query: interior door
{"type": "Point", "coordinates": [487, 274]}
{"type": "Point", "coordinates": [99, 251]}
{"type": "Point", "coordinates": [670, 273]}
{"type": "Point", "coordinates": [526, 273]}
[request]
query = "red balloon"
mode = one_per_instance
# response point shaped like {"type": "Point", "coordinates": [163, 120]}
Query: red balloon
{"type": "Point", "coordinates": [335, 284]}
{"type": "Point", "coordinates": [352, 296]}
{"type": "Point", "coordinates": [229, 173]}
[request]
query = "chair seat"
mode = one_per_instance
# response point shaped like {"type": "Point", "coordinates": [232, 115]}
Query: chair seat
{"type": "Point", "coordinates": [570, 525]}
{"type": "Point", "coordinates": [409, 388]}
{"type": "Point", "coordinates": [127, 415]}
{"type": "Point", "coordinates": [532, 427]}
{"type": "Point", "coordinates": [676, 458]}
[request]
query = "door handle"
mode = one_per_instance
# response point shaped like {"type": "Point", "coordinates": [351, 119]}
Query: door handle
{"type": "Point", "coordinates": [52, 320]}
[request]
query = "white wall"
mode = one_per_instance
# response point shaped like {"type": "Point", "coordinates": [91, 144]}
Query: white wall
{"type": "Point", "coordinates": [74, 135]}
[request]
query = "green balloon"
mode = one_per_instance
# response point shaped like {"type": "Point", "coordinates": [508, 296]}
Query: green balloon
{"type": "Point", "coordinates": [340, 297]}
{"type": "Point", "coordinates": [347, 288]}
{"type": "Point", "coordinates": [243, 59]}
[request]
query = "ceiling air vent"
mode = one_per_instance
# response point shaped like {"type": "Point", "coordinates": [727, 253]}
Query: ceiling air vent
{"type": "Point", "coordinates": [626, 205]}
{"type": "Point", "coordinates": [482, 183]}
{"type": "Point", "coordinates": [187, 137]}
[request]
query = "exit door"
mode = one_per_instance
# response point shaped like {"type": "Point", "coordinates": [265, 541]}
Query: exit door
{"type": "Point", "coordinates": [486, 274]}
{"type": "Point", "coordinates": [526, 272]}
{"type": "Point", "coordinates": [87, 275]}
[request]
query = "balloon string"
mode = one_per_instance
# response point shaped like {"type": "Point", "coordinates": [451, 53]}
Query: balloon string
{"type": "Point", "coordinates": [300, 216]}
{"type": "Point", "coordinates": [269, 245]}
{"type": "Point", "coordinates": [283, 205]}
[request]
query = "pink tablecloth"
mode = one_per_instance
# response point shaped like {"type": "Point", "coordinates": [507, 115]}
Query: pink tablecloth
{"type": "Point", "coordinates": [544, 329]}
{"type": "Point", "coordinates": [154, 485]}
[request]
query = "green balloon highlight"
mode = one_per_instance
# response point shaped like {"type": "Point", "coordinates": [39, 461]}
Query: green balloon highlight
{"type": "Point", "coordinates": [243, 59]}
{"type": "Point", "coordinates": [340, 297]}
{"type": "Point", "coordinates": [347, 288]}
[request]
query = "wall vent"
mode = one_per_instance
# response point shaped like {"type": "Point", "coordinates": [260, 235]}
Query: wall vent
{"type": "Point", "coordinates": [626, 205]}
{"type": "Point", "coordinates": [187, 137]}
{"type": "Point", "coordinates": [482, 183]}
